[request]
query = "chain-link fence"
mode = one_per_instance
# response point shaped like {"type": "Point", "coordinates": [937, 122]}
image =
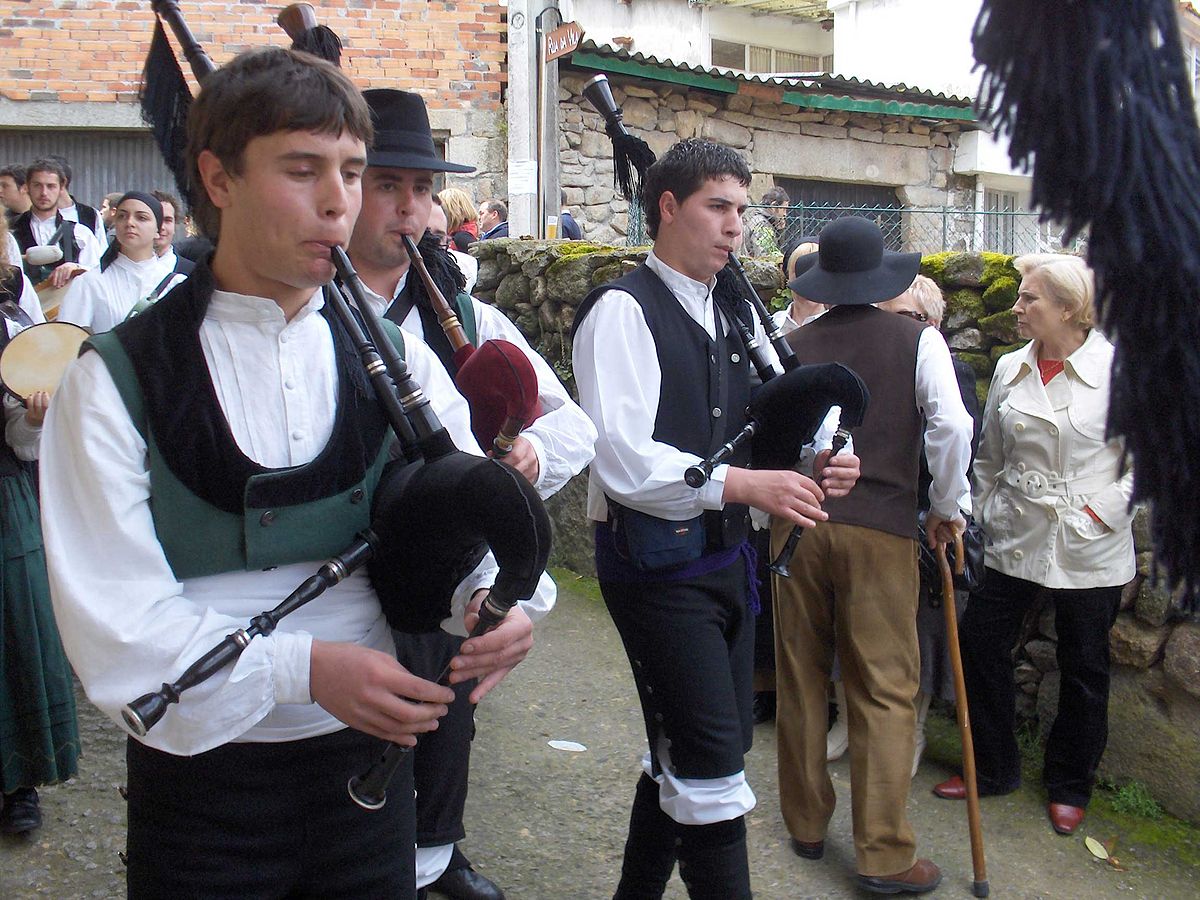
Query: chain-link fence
{"type": "Point", "coordinates": [927, 230]}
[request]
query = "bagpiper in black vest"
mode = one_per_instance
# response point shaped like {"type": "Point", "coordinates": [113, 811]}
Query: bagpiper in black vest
{"type": "Point", "coordinates": [64, 237]}
{"type": "Point", "coordinates": [705, 385]}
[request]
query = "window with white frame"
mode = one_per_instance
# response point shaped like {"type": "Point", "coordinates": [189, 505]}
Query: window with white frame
{"type": "Point", "coordinates": [999, 224]}
{"type": "Point", "coordinates": [765, 60]}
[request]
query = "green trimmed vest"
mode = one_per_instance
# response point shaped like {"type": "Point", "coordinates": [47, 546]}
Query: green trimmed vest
{"type": "Point", "coordinates": [214, 509]}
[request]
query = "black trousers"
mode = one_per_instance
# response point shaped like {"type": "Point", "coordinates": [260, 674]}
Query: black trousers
{"type": "Point", "coordinates": [691, 646]}
{"type": "Point", "coordinates": [441, 762]}
{"type": "Point", "coordinates": [989, 631]}
{"type": "Point", "coordinates": [267, 821]}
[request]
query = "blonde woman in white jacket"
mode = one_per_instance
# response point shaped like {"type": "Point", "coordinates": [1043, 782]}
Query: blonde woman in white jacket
{"type": "Point", "coordinates": [1049, 493]}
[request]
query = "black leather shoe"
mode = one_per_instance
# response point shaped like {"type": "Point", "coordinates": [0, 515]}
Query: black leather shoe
{"type": "Point", "coordinates": [466, 884]}
{"type": "Point", "coordinates": [21, 812]}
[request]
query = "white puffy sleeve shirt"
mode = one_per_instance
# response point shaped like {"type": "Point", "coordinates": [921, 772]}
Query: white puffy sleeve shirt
{"type": "Point", "coordinates": [126, 622]}
{"type": "Point", "coordinates": [1043, 457]}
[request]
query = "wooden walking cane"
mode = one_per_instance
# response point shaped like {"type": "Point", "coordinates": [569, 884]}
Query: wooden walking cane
{"type": "Point", "coordinates": [980, 886]}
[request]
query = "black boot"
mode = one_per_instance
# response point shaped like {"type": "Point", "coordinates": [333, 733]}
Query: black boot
{"type": "Point", "coordinates": [650, 847]}
{"type": "Point", "coordinates": [713, 862]}
{"type": "Point", "coordinates": [21, 812]}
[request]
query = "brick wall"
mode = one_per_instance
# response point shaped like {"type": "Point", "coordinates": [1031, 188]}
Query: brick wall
{"type": "Point", "coordinates": [92, 50]}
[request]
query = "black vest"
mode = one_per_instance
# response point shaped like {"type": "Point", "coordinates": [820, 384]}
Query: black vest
{"type": "Point", "coordinates": [705, 386]}
{"type": "Point", "coordinates": [22, 230]}
{"type": "Point", "coordinates": [184, 414]}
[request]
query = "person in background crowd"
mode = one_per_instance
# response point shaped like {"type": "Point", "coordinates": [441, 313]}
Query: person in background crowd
{"type": "Point", "coordinates": [924, 302]}
{"type": "Point", "coordinates": [439, 228]}
{"type": "Point", "coordinates": [854, 582]}
{"type": "Point", "coordinates": [13, 194]}
{"type": "Point", "coordinates": [76, 211]}
{"type": "Point", "coordinates": [39, 737]}
{"type": "Point", "coordinates": [758, 234]}
{"type": "Point", "coordinates": [1053, 492]}
{"type": "Point", "coordinates": [800, 311]}
{"type": "Point", "coordinates": [649, 350]}
{"type": "Point", "coordinates": [493, 219]}
{"type": "Point", "coordinates": [130, 273]}
{"type": "Point", "coordinates": [108, 212]}
{"type": "Point", "coordinates": [567, 226]}
{"type": "Point", "coordinates": [462, 220]}
{"type": "Point", "coordinates": [164, 241]}
{"type": "Point", "coordinates": [776, 200]}
{"type": "Point", "coordinates": [43, 224]}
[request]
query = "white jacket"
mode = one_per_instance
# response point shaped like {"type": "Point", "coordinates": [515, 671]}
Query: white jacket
{"type": "Point", "coordinates": [1042, 458]}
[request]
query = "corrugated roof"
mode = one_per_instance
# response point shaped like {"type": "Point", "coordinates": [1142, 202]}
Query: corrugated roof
{"type": "Point", "coordinates": [802, 89]}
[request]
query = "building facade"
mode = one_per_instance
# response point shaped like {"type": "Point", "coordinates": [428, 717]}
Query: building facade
{"type": "Point", "coordinates": [73, 69]}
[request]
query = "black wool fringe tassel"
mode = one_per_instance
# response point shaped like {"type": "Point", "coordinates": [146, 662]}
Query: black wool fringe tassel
{"type": "Point", "coordinates": [631, 158]}
{"type": "Point", "coordinates": [442, 269]}
{"type": "Point", "coordinates": [165, 99]}
{"type": "Point", "coordinates": [1097, 95]}
{"type": "Point", "coordinates": [321, 41]}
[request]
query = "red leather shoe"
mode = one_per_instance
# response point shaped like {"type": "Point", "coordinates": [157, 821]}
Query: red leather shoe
{"type": "Point", "coordinates": [952, 789]}
{"type": "Point", "coordinates": [1065, 819]}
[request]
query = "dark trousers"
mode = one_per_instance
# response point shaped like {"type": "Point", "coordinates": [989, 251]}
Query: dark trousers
{"type": "Point", "coordinates": [267, 821]}
{"type": "Point", "coordinates": [990, 629]}
{"type": "Point", "coordinates": [691, 646]}
{"type": "Point", "coordinates": [441, 762]}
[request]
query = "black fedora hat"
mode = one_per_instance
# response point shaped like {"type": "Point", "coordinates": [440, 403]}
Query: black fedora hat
{"type": "Point", "coordinates": [403, 138]}
{"type": "Point", "coordinates": [853, 268]}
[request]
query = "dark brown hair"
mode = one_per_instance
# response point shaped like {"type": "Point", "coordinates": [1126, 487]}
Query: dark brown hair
{"type": "Point", "coordinates": [262, 92]}
{"type": "Point", "coordinates": [683, 169]}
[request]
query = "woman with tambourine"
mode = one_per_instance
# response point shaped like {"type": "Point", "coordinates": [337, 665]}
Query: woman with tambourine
{"type": "Point", "coordinates": [130, 276]}
{"type": "Point", "coordinates": [39, 738]}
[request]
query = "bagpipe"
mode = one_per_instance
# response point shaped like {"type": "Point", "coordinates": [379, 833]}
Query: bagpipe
{"type": "Point", "coordinates": [784, 413]}
{"type": "Point", "coordinates": [435, 512]}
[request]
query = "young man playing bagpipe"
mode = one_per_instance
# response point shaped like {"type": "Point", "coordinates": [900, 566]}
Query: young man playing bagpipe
{"type": "Point", "coordinates": [397, 202]}
{"type": "Point", "coordinates": [238, 391]}
{"type": "Point", "coordinates": [665, 376]}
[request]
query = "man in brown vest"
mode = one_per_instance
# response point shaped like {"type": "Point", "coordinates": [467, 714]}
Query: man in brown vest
{"type": "Point", "coordinates": [854, 579]}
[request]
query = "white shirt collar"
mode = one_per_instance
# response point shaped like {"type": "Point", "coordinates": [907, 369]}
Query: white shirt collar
{"type": "Point", "coordinates": [228, 306]}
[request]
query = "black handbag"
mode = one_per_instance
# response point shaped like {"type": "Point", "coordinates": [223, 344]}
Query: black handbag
{"type": "Point", "coordinates": [974, 543]}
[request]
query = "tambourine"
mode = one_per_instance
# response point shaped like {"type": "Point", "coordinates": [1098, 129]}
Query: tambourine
{"type": "Point", "coordinates": [36, 359]}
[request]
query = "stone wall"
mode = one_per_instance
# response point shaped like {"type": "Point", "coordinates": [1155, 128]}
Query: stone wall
{"type": "Point", "coordinates": [776, 139]}
{"type": "Point", "coordinates": [1154, 710]}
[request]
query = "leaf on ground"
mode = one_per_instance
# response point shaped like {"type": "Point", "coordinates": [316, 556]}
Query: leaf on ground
{"type": "Point", "coordinates": [1096, 848]}
{"type": "Point", "coordinates": [1116, 864]}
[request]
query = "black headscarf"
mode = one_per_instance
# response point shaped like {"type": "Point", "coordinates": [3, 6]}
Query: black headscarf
{"type": "Point", "coordinates": [142, 197]}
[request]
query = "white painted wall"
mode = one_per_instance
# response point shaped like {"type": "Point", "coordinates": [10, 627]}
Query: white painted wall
{"type": "Point", "coordinates": [667, 29]}
{"type": "Point", "coordinates": [925, 44]}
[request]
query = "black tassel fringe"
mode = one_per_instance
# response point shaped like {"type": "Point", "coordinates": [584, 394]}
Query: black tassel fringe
{"type": "Point", "coordinates": [322, 42]}
{"type": "Point", "coordinates": [165, 99]}
{"type": "Point", "coordinates": [1097, 95]}
{"type": "Point", "coordinates": [631, 158]}
{"type": "Point", "coordinates": [442, 269]}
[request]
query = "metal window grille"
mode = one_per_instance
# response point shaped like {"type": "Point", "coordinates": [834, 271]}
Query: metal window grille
{"type": "Point", "coordinates": [908, 229]}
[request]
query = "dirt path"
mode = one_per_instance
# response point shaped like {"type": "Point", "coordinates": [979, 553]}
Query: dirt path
{"type": "Point", "coordinates": [548, 824]}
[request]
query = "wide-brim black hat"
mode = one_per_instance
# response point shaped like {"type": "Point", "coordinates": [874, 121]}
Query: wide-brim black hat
{"type": "Point", "coordinates": [403, 138]}
{"type": "Point", "coordinates": [852, 268]}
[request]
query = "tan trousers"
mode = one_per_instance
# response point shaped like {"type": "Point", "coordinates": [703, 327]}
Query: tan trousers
{"type": "Point", "coordinates": [855, 589]}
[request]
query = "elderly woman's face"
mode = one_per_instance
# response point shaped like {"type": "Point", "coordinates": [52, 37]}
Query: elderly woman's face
{"type": "Point", "coordinates": [1039, 315]}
